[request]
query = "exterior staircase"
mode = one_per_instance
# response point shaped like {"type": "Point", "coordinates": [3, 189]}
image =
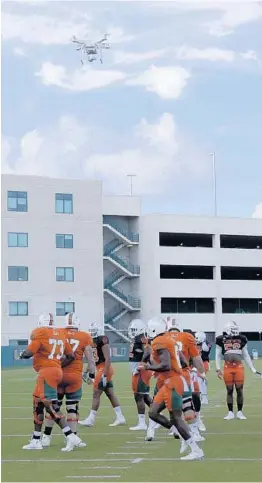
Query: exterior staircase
{"type": "Point", "coordinates": [122, 268]}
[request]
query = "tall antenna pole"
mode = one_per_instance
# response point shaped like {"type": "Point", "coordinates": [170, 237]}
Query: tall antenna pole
{"type": "Point", "coordinates": [131, 176]}
{"type": "Point", "coordinates": [213, 155]}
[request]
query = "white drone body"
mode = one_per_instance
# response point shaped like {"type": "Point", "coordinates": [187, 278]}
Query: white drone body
{"type": "Point", "coordinates": [92, 50]}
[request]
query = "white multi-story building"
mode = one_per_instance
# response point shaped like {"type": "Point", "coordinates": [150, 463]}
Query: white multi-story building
{"type": "Point", "coordinates": [67, 247]}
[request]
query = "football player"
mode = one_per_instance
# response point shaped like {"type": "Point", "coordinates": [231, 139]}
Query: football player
{"type": "Point", "coordinates": [71, 384]}
{"type": "Point", "coordinates": [165, 361]}
{"type": "Point", "coordinates": [194, 366]}
{"type": "Point", "coordinates": [103, 379]}
{"type": "Point", "coordinates": [233, 346]}
{"type": "Point", "coordinates": [140, 379]}
{"type": "Point", "coordinates": [47, 346]}
{"type": "Point", "coordinates": [204, 348]}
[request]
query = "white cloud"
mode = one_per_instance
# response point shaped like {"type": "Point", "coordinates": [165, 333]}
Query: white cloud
{"type": "Point", "coordinates": [80, 80]}
{"type": "Point", "coordinates": [41, 29]}
{"type": "Point", "coordinates": [234, 15]}
{"type": "Point", "coordinates": [258, 211]}
{"type": "Point", "coordinates": [163, 134]}
{"type": "Point", "coordinates": [19, 52]}
{"type": "Point", "coordinates": [166, 82]}
{"type": "Point", "coordinates": [64, 150]}
{"type": "Point", "coordinates": [211, 54]}
{"type": "Point", "coordinates": [249, 55]}
{"type": "Point", "coordinates": [136, 57]}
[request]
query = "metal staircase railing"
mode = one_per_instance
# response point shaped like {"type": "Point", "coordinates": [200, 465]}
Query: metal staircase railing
{"type": "Point", "coordinates": [111, 246]}
{"type": "Point", "coordinates": [113, 277]}
{"type": "Point", "coordinates": [132, 237]}
{"type": "Point", "coordinates": [133, 302]}
{"type": "Point", "coordinates": [130, 267]}
{"type": "Point", "coordinates": [113, 313]}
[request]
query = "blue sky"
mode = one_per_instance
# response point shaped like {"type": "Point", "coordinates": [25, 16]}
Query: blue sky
{"type": "Point", "coordinates": [181, 79]}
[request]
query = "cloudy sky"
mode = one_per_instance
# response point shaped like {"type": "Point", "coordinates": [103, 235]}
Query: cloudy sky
{"type": "Point", "coordinates": [181, 80]}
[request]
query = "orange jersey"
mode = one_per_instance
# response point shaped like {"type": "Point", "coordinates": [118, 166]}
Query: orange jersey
{"type": "Point", "coordinates": [48, 346]}
{"type": "Point", "coordinates": [188, 344]}
{"type": "Point", "coordinates": [78, 341]}
{"type": "Point", "coordinates": [164, 342]}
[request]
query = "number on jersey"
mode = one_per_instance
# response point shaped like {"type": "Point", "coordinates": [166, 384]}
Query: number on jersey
{"type": "Point", "coordinates": [56, 343]}
{"type": "Point", "coordinates": [74, 344]}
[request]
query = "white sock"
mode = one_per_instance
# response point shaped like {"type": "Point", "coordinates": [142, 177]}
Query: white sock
{"type": "Point", "coordinates": [151, 424]}
{"type": "Point", "coordinates": [92, 414]}
{"type": "Point", "coordinates": [192, 445]}
{"type": "Point", "coordinates": [118, 412]}
{"type": "Point", "coordinates": [203, 388]}
{"type": "Point", "coordinates": [66, 429]}
{"type": "Point", "coordinates": [141, 419]}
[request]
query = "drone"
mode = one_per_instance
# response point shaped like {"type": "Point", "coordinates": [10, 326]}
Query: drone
{"type": "Point", "coordinates": [92, 50]}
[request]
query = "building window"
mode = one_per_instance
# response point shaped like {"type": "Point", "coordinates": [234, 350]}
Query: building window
{"type": "Point", "coordinates": [244, 242]}
{"type": "Point", "coordinates": [241, 306]}
{"type": "Point", "coordinates": [17, 274]}
{"type": "Point", "coordinates": [63, 203]}
{"type": "Point", "coordinates": [185, 240]}
{"type": "Point", "coordinates": [187, 305]}
{"type": "Point", "coordinates": [63, 308]}
{"type": "Point", "coordinates": [64, 274]}
{"type": "Point", "coordinates": [18, 308]}
{"type": "Point", "coordinates": [193, 272]}
{"type": "Point", "coordinates": [64, 241]}
{"type": "Point", "coordinates": [17, 201]}
{"type": "Point", "coordinates": [17, 239]}
{"type": "Point", "coordinates": [241, 273]}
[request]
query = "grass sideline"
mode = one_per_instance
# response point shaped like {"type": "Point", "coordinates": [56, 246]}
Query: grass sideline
{"type": "Point", "coordinates": [233, 449]}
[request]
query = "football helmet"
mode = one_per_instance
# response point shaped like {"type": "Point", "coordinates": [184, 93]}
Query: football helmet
{"type": "Point", "coordinates": [95, 330]}
{"type": "Point", "coordinates": [46, 320]}
{"type": "Point", "coordinates": [200, 337]}
{"type": "Point", "coordinates": [156, 326]}
{"type": "Point", "coordinates": [231, 328]}
{"type": "Point", "coordinates": [136, 327]}
{"type": "Point", "coordinates": [72, 321]}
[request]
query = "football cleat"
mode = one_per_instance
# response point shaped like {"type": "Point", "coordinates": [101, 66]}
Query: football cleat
{"type": "Point", "coordinates": [118, 422]}
{"type": "Point", "coordinates": [34, 444]}
{"type": "Point", "coordinates": [89, 422]}
{"type": "Point", "coordinates": [46, 441]}
{"type": "Point", "coordinates": [139, 427]}
{"type": "Point", "coordinates": [229, 416]}
{"type": "Point", "coordinates": [201, 425]}
{"type": "Point", "coordinates": [150, 435]}
{"type": "Point", "coordinates": [72, 442]}
{"type": "Point", "coordinates": [194, 455]}
{"type": "Point", "coordinates": [240, 415]}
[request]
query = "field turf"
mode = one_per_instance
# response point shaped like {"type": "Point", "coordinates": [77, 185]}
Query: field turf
{"type": "Point", "coordinates": [233, 449]}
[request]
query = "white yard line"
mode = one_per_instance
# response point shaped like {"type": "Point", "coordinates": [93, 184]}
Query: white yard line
{"type": "Point", "coordinates": [158, 436]}
{"type": "Point", "coordinates": [136, 460]}
{"type": "Point", "coordinates": [71, 460]}
{"type": "Point", "coordinates": [95, 477]}
{"type": "Point", "coordinates": [116, 454]}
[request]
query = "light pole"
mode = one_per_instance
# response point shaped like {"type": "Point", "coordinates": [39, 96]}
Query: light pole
{"type": "Point", "coordinates": [213, 155]}
{"type": "Point", "coordinates": [131, 176]}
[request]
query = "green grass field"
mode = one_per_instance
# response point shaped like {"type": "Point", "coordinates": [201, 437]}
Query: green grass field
{"type": "Point", "coordinates": [233, 449]}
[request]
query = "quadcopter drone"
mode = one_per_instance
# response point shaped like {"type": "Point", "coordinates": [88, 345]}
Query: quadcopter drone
{"type": "Point", "coordinates": [92, 50]}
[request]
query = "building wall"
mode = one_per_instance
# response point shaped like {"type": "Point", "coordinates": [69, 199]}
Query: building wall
{"type": "Point", "coordinates": [151, 256]}
{"type": "Point", "coordinates": [42, 291]}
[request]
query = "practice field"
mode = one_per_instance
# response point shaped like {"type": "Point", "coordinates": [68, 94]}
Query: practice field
{"type": "Point", "coordinates": [233, 449]}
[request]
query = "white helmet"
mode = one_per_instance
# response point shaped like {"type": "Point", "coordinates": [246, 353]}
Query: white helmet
{"type": "Point", "coordinates": [72, 321]}
{"type": "Point", "coordinates": [200, 337]}
{"type": "Point", "coordinates": [172, 324]}
{"type": "Point", "coordinates": [95, 330]}
{"type": "Point", "coordinates": [136, 327]}
{"type": "Point", "coordinates": [46, 320]}
{"type": "Point", "coordinates": [156, 326]}
{"type": "Point", "coordinates": [232, 328]}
